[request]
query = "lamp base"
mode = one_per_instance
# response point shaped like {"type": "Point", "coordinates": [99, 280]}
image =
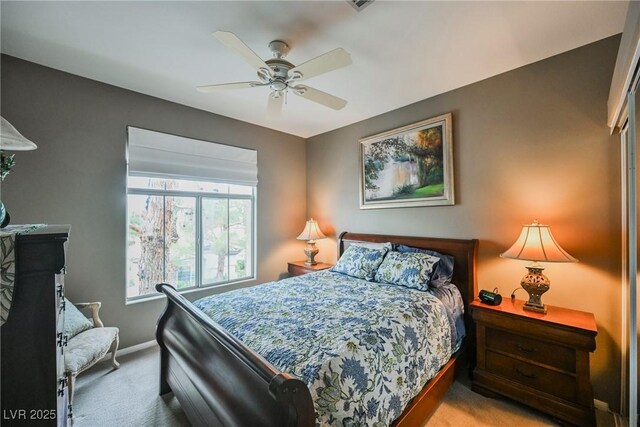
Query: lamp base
{"type": "Point", "coordinates": [532, 307]}
{"type": "Point", "coordinates": [311, 251]}
{"type": "Point", "coordinates": [535, 284]}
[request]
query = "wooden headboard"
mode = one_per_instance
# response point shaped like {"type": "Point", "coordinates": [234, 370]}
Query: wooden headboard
{"type": "Point", "coordinates": [463, 251]}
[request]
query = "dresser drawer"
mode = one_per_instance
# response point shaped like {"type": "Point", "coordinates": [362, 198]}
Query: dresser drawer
{"type": "Point", "coordinates": [532, 349]}
{"type": "Point", "coordinates": [534, 376]}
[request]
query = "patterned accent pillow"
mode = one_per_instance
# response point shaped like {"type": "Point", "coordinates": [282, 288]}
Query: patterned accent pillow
{"type": "Point", "coordinates": [74, 321]}
{"type": "Point", "coordinates": [443, 271]}
{"type": "Point", "coordinates": [360, 262]}
{"type": "Point", "coordinates": [412, 270]}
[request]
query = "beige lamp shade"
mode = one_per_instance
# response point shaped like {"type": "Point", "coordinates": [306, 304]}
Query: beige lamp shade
{"type": "Point", "coordinates": [536, 243]}
{"type": "Point", "coordinates": [12, 140]}
{"type": "Point", "coordinates": [311, 231]}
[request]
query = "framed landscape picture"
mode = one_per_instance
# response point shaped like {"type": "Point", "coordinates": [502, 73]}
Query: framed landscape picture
{"type": "Point", "coordinates": [408, 166]}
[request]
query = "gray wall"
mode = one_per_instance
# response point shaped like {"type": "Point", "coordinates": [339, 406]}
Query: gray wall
{"type": "Point", "coordinates": [77, 176]}
{"type": "Point", "coordinates": [530, 143]}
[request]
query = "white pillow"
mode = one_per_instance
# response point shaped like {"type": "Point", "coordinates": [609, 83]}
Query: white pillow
{"type": "Point", "coordinates": [372, 245]}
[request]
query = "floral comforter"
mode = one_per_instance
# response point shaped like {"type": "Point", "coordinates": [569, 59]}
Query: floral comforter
{"type": "Point", "coordinates": [365, 349]}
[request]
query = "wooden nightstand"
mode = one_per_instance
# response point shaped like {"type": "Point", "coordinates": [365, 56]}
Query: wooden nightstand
{"type": "Point", "coordinates": [298, 268]}
{"type": "Point", "coordinates": [541, 360]}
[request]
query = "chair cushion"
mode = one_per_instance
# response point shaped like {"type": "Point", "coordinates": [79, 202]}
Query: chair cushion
{"type": "Point", "coordinates": [87, 348]}
{"type": "Point", "coordinates": [74, 321]}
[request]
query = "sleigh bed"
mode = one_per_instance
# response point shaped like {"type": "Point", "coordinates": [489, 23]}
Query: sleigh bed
{"type": "Point", "coordinates": [219, 380]}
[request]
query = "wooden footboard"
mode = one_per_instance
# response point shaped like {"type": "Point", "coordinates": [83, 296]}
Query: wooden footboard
{"type": "Point", "coordinates": [217, 379]}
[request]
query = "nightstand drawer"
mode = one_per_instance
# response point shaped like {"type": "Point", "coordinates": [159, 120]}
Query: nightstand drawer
{"type": "Point", "coordinates": [532, 349]}
{"type": "Point", "coordinates": [299, 268]}
{"type": "Point", "coordinates": [534, 376]}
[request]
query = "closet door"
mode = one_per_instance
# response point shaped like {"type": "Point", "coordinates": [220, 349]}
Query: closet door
{"type": "Point", "coordinates": [633, 137]}
{"type": "Point", "coordinates": [623, 105]}
{"type": "Point", "coordinates": [630, 220]}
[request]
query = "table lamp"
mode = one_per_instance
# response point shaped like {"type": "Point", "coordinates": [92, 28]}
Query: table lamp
{"type": "Point", "coordinates": [10, 140]}
{"type": "Point", "coordinates": [536, 243]}
{"type": "Point", "coordinates": [311, 233]}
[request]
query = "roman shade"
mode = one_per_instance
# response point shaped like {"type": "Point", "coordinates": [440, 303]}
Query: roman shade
{"type": "Point", "coordinates": [160, 154]}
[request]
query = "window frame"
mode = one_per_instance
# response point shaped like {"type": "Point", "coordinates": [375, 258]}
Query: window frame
{"type": "Point", "coordinates": [199, 244]}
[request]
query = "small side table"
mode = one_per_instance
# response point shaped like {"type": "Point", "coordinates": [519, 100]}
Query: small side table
{"type": "Point", "coordinates": [541, 360]}
{"type": "Point", "coordinates": [298, 268]}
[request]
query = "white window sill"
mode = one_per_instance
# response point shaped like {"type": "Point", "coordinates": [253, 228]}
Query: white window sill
{"type": "Point", "coordinates": [224, 287]}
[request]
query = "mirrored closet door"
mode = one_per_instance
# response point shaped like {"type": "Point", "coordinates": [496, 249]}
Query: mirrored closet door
{"type": "Point", "coordinates": [630, 153]}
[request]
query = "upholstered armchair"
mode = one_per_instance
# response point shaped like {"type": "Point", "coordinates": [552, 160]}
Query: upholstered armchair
{"type": "Point", "coordinates": [88, 342]}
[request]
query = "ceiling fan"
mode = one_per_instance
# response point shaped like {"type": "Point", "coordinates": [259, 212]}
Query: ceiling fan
{"type": "Point", "coordinates": [282, 76]}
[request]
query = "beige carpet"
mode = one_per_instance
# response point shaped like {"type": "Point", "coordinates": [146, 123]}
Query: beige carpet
{"type": "Point", "coordinates": [129, 397]}
{"type": "Point", "coordinates": [463, 407]}
{"type": "Point", "coordinates": [125, 397]}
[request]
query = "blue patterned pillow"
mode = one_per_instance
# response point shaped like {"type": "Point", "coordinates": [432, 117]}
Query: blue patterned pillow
{"type": "Point", "coordinates": [360, 262]}
{"type": "Point", "coordinates": [412, 270]}
{"type": "Point", "coordinates": [444, 269]}
{"type": "Point", "coordinates": [74, 321]}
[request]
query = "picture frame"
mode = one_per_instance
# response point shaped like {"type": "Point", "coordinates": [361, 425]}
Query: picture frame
{"type": "Point", "coordinates": [409, 166]}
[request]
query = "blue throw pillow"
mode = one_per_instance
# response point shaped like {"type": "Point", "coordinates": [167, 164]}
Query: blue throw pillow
{"type": "Point", "coordinates": [360, 262]}
{"type": "Point", "coordinates": [74, 321]}
{"type": "Point", "coordinates": [410, 269]}
{"type": "Point", "coordinates": [444, 268]}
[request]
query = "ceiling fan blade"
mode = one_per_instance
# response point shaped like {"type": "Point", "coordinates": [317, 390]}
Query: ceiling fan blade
{"type": "Point", "coordinates": [232, 41]}
{"type": "Point", "coordinates": [320, 97]}
{"type": "Point", "coordinates": [274, 107]}
{"type": "Point", "coordinates": [329, 61]}
{"type": "Point", "coordinates": [225, 86]}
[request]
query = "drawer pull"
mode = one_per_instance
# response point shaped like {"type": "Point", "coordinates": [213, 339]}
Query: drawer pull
{"type": "Point", "coordinates": [524, 374]}
{"type": "Point", "coordinates": [62, 383]}
{"type": "Point", "coordinates": [526, 349]}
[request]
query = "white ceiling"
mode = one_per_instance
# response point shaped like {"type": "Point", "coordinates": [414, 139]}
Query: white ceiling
{"type": "Point", "coordinates": [402, 52]}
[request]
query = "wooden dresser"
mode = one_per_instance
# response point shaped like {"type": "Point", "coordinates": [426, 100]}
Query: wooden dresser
{"type": "Point", "coordinates": [298, 268]}
{"type": "Point", "coordinates": [34, 389]}
{"type": "Point", "coordinates": [541, 360]}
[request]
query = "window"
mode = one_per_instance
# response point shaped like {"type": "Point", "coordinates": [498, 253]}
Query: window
{"type": "Point", "coordinates": [189, 232]}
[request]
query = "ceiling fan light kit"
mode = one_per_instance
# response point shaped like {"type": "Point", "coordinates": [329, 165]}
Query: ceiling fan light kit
{"type": "Point", "coordinates": [281, 75]}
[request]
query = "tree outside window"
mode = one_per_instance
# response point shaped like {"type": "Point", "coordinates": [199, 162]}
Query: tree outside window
{"type": "Point", "coordinates": [187, 233]}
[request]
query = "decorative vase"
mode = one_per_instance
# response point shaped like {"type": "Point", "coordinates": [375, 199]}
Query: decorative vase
{"type": "Point", "coordinates": [5, 218]}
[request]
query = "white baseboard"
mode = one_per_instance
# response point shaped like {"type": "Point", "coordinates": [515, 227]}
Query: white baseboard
{"type": "Point", "coordinates": [137, 347]}
{"type": "Point", "coordinates": [619, 420]}
{"type": "Point", "coordinates": [131, 349]}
